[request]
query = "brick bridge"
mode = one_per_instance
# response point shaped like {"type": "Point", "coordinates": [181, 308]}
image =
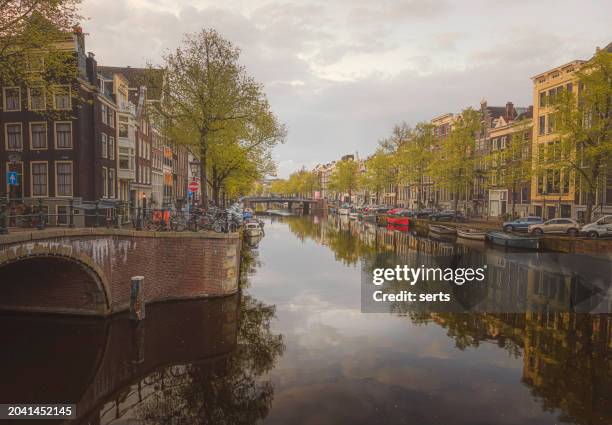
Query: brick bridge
{"type": "Point", "coordinates": [107, 367]}
{"type": "Point", "coordinates": [88, 271]}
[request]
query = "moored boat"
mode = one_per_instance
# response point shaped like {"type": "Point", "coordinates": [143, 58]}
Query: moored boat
{"type": "Point", "coordinates": [513, 241]}
{"type": "Point", "coordinates": [344, 210]}
{"type": "Point", "coordinates": [443, 230]}
{"type": "Point", "coordinates": [252, 229]}
{"type": "Point", "coordinates": [473, 234]}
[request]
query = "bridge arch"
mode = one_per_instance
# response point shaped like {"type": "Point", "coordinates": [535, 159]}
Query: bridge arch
{"type": "Point", "coordinates": [52, 278]}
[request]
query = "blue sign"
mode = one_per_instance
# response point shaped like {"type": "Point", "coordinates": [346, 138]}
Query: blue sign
{"type": "Point", "coordinates": [13, 178]}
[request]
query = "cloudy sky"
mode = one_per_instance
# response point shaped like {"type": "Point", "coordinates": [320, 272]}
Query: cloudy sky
{"type": "Point", "coordinates": [340, 73]}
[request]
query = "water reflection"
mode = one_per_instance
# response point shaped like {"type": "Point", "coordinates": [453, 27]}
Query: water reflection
{"type": "Point", "coordinates": [565, 357]}
{"type": "Point", "coordinates": [192, 362]}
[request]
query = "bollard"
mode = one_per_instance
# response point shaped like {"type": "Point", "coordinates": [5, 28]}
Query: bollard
{"type": "Point", "coordinates": [137, 298]}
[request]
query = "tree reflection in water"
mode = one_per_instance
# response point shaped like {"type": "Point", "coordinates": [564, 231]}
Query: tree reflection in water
{"type": "Point", "coordinates": [238, 394]}
{"type": "Point", "coordinates": [567, 356]}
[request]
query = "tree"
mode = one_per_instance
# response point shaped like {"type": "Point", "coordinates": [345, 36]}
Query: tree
{"type": "Point", "coordinates": [239, 155]}
{"type": "Point", "coordinates": [378, 175]}
{"type": "Point", "coordinates": [398, 162]}
{"type": "Point", "coordinates": [417, 157]}
{"type": "Point", "coordinates": [511, 166]}
{"type": "Point", "coordinates": [345, 177]}
{"type": "Point", "coordinates": [32, 43]}
{"type": "Point", "coordinates": [205, 90]}
{"type": "Point", "coordinates": [584, 125]}
{"type": "Point", "coordinates": [453, 166]}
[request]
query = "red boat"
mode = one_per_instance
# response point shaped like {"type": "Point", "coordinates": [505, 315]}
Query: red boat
{"type": "Point", "coordinates": [398, 217]}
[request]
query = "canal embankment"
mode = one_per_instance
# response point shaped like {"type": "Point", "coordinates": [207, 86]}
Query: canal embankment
{"type": "Point", "coordinates": [564, 244]}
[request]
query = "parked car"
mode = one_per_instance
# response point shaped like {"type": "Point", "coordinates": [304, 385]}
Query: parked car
{"type": "Point", "coordinates": [447, 216]}
{"type": "Point", "coordinates": [599, 228]}
{"type": "Point", "coordinates": [424, 213]}
{"type": "Point", "coordinates": [565, 226]}
{"type": "Point", "coordinates": [521, 223]}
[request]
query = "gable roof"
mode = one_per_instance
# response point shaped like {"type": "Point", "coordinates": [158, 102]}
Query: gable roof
{"type": "Point", "coordinates": [137, 77]}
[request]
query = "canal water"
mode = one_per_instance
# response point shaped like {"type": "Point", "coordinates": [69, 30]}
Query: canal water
{"type": "Point", "coordinates": [297, 347]}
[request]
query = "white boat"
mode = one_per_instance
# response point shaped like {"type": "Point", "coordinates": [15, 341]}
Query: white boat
{"type": "Point", "coordinates": [474, 234]}
{"type": "Point", "coordinates": [353, 215]}
{"type": "Point", "coordinates": [252, 229]}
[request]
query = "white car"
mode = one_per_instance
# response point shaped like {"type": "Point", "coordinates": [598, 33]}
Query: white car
{"type": "Point", "coordinates": [599, 228]}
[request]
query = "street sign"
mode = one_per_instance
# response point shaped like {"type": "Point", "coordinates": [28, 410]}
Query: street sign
{"type": "Point", "coordinates": [194, 186]}
{"type": "Point", "coordinates": [13, 178]}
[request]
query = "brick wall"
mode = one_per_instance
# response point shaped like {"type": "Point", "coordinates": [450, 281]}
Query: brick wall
{"type": "Point", "coordinates": [88, 271]}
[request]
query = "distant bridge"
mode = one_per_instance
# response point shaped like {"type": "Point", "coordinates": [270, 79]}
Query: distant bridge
{"type": "Point", "coordinates": [88, 271]}
{"type": "Point", "coordinates": [307, 203]}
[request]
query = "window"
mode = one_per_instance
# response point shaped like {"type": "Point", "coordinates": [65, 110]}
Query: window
{"type": "Point", "coordinates": [541, 154]}
{"type": "Point", "coordinates": [551, 123]}
{"type": "Point", "coordinates": [111, 183]}
{"type": "Point", "coordinates": [565, 182]}
{"type": "Point", "coordinates": [14, 138]}
{"type": "Point", "coordinates": [104, 114]}
{"type": "Point", "coordinates": [104, 145]}
{"type": "Point", "coordinates": [37, 99]}
{"type": "Point", "coordinates": [38, 135]}
{"type": "Point", "coordinates": [104, 182]}
{"type": "Point", "coordinates": [63, 135]}
{"type": "Point", "coordinates": [61, 97]}
{"type": "Point", "coordinates": [123, 127]}
{"type": "Point", "coordinates": [542, 125]}
{"type": "Point", "coordinates": [540, 179]}
{"type": "Point", "coordinates": [39, 178]}
{"type": "Point", "coordinates": [111, 117]}
{"type": "Point", "coordinates": [569, 87]}
{"type": "Point", "coordinates": [111, 147]}
{"type": "Point", "coordinates": [542, 99]}
{"type": "Point", "coordinates": [35, 63]}
{"type": "Point", "coordinates": [124, 158]}
{"type": "Point", "coordinates": [12, 99]}
{"type": "Point", "coordinates": [63, 178]}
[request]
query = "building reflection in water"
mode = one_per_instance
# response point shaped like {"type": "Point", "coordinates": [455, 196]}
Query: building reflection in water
{"type": "Point", "coordinates": [196, 362]}
{"type": "Point", "coordinates": [567, 355]}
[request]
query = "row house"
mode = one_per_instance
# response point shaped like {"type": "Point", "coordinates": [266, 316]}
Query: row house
{"type": "Point", "coordinates": [508, 183]}
{"type": "Point", "coordinates": [57, 142]}
{"type": "Point", "coordinates": [559, 193]}
{"type": "Point", "coordinates": [491, 117]}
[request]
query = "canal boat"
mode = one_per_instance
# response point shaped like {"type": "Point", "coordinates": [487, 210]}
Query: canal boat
{"type": "Point", "coordinates": [473, 234]}
{"type": "Point", "coordinates": [253, 229]}
{"type": "Point", "coordinates": [344, 210]}
{"type": "Point", "coordinates": [513, 240]}
{"type": "Point", "coordinates": [399, 217]}
{"type": "Point", "coordinates": [442, 230]}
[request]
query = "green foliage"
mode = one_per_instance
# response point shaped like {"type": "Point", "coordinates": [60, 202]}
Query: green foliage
{"type": "Point", "coordinates": [346, 177]}
{"type": "Point", "coordinates": [212, 105]}
{"type": "Point", "coordinates": [584, 124]}
{"type": "Point", "coordinates": [36, 45]}
{"type": "Point", "coordinates": [453, 165]}
{"type": "Point", "coordinates": [378, 175]}
{"type": "Point", "coordinates": [301, 182]}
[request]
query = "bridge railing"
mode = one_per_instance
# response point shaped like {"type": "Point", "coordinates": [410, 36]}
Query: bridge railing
{"type": "Point", "coordinates": [113, 215]}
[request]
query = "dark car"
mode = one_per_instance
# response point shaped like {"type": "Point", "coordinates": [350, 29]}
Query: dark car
{"type": "Point", "coordinates": [447, 216]}
{"type": "Point", "coordinates": [521, 223]}
{"type": "Point", "coordinates": [424, 213]}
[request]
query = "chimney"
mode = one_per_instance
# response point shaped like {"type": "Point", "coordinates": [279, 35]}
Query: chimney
{"type": "Point", "coordinates": [510, 112]}
{"type": "Point", "coordinates": [92, 68]}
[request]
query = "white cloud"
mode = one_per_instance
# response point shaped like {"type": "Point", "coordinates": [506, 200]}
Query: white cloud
{"type": "Point", "coordinates": [341, 73]}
